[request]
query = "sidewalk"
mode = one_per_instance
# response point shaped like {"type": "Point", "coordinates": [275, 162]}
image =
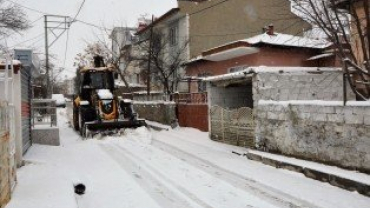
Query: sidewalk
{"type": "Point", "coordinates": [346, 179]}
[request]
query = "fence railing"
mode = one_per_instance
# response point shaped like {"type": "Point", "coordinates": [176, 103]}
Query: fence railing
{"type": "Point", "coordinates": [233, 126]}
{"type": "Point", "coordinates": [44, 112]}
{"type": "Point", "coordinates": [199, 97]}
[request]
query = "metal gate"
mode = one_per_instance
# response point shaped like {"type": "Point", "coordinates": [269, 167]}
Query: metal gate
{"type": "Point", "coordinates": [26, 93]}
{"type": "Point", "coordinates": [235, 126]}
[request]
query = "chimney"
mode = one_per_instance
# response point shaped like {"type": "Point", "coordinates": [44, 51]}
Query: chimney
{"type": "Point", "coordinates": [270, 29]}
{"type": "Point", "coordinates": [142, 25]}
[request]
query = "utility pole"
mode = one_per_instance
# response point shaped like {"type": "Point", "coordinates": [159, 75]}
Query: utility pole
{"type": "Point", "coordinates": [53, 23]}
{"type": "Point", "coordinates": [149, 58]}
{"type": "Point", "coordinates": [47, 56]}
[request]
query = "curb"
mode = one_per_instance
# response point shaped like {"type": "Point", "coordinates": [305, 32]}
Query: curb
{"type": "Point", "coordinates": [334, 180]}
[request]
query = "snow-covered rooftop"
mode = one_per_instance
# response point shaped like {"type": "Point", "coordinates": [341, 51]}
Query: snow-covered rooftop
{"type": "Point", "coordinates": [264, 69]}
{"type": "Point", "coordinates": [287, 40]}
{"type": "Point", "coordinates": [279, 39]}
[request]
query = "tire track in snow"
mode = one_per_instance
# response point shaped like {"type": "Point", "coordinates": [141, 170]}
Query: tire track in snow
{"type": "Point", "coordinates": [153, 182]}
{"type": "Point", "coordinates": [200, 186]}
{"type": "Point", "coordinates": [267, 193]}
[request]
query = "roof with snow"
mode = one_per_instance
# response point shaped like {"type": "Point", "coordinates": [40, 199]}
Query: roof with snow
{"type": "Point", "coordinates": [251, 45]}
{"type": "Point", "coordinates": [277, 39]}
{"type": "Point", "coordinates": [263, 69]}
{"type": "Point", "coordinates": [280, 39]}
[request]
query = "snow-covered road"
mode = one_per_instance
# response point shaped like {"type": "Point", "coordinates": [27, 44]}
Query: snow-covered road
{"type": "Point", "coordinates": [179, 168]}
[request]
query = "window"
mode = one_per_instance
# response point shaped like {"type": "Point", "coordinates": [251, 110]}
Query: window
{"type": "Point", "coordinates": [173, 33]}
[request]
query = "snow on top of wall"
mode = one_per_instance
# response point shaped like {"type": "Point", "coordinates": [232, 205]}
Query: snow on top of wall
{"type": "Point", "coordinates": [155, 102]}
{"type": "Point", "coordinates": [15, 62]}
{"type": "Point", "coordinates": [145, 92]}
{"type": "Point", "coordinates": [287, 40]}
{"type": "Point", "coordinates": [263, 69]}
{"type": "Point", "coordinates": [104, 94]}
{"type": "Point", "coordinates": [314, 102]}
{"type": "Point", "coordinates": [358, 103]}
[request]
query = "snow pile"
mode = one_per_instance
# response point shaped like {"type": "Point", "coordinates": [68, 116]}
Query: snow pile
{"type": "Point", "coordinates": [104, 94]}
{"type": "Point", "coordinates": [142, 134]}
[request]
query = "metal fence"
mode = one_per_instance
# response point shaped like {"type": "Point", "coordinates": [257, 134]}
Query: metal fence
{"type": "Point", "coordinates": [233, 126]}
{"type": "Point", "coordinates": [44, 113]}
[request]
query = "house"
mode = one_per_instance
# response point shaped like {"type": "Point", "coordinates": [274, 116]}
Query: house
{"type": "Point", "coordinates": [217, 22]}
{"type": "Point", "coordinates": [267, 49]}
{"type": "Point", "coordinates": [356, 7]}
{"type": "Point", "coordinates": [124, 47]}
{"type": "Point", "coordinates": [169, 36]}
{"type": "Point", "coordinates": [359, 41]}
{"type": "Point", "coordinates": [204, 24]}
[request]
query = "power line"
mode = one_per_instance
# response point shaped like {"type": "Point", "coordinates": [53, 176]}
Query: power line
{"type": "Point", "coordinates": [66, 50]}
{"type": "Point", "coordinates": [67, 40]}
{"type": "Point", "coordinates": [33, 38]}
{"type": "Point", "coordinates": [92, 25]}
{"type": "Point", "coordinates": [79, 10]}
{"type": "Point", "coordinates": [206, 8]}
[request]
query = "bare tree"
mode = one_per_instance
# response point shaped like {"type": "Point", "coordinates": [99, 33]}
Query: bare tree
{"type": "Point", "coordinates": [12, 18]}
{"type": "Point", "coordinates": [166, 60]}
{"type": "Point", "coordinates": [346, 23]}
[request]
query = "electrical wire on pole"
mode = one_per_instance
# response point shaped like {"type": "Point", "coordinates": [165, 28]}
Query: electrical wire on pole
{"type": "Point", "coordinates": [53, 23]}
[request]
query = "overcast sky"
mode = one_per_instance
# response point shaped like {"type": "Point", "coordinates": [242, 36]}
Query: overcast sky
{"type": "Point", "coordinates": [106, 13]}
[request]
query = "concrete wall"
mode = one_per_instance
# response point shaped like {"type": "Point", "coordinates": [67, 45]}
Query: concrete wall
{"type": "Point", "coordinates": [325, 132]}
{"type": "Point", "coordinates": [46, 136]}
{"type": "Point", "coordinates": [230, 97]}
{"type": "Point", "coordinates": [299, 86]}
{"type": "Point", "coordinates": [291, 120]}
{"type": "Point", "coordinates": [162, 112]}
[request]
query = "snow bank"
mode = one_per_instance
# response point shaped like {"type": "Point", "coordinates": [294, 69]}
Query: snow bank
{"type": "Point", "coordinates": [104, 94]}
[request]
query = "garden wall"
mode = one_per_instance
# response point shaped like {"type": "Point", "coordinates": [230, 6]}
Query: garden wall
{"type": "Point", "coordinates": [159, 111]}
{"type": "Point", "coordinates": [321, 131]}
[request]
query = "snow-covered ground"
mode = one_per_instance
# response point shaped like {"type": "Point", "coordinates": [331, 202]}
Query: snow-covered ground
{"type": "Point", "coordinates": [178, 168]}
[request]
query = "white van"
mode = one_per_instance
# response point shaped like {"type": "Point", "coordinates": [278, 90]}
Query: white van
{"type": "Point", "coordinates": [60, 101]}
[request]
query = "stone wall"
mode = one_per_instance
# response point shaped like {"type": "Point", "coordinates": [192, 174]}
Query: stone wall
{"type": "Point", "coordinates": [322, 131]}
{"type": "Point", "coordinates": [162, 112]}
{"type": "Point", "coordinates": [299, 86]}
